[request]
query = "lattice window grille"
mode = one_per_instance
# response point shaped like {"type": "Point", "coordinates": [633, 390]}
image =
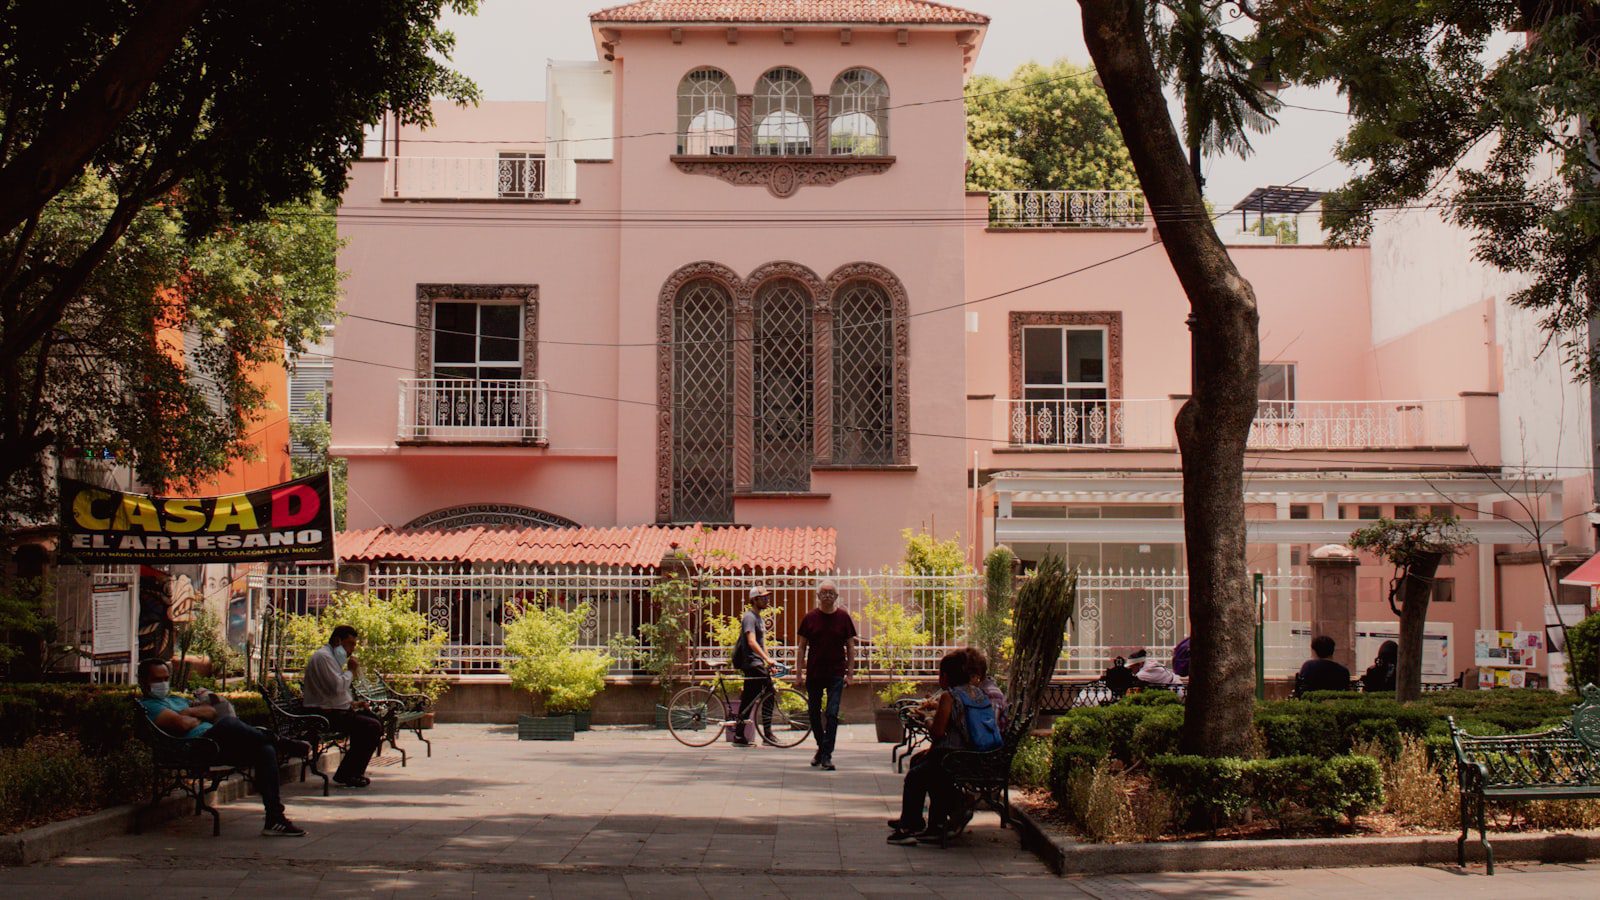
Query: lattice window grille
{"type": "Point", "coordinates": [858, 118]}
{"type": "Point", "coordinates": [706, 122]}
{"type": "Point", "coordinates": [783, 450]}
{"type": "Point", "coordinates": [702, 404]}
{"type": "Point", "coordinates": [782, 110]}
{"type": "Point", "coordinates": [863, 375]}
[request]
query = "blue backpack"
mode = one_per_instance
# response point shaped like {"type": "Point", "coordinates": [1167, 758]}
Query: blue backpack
{"type": "Point", "coordinates": [983, 730]}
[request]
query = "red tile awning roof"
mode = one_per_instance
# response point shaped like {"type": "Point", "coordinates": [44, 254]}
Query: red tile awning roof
{"type": "Point", "coordinates": [809, 550]}
{"type": "Point", "coordinates": [798, 12]}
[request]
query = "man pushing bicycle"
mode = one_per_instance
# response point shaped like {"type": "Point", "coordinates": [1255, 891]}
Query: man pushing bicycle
{"type": "Point", "coordinates": [751, 659]}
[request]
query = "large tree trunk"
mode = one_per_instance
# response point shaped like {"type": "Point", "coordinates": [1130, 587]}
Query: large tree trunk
{"type": "Point", "coordinates": [1415, 592]}
{"type": "Point", "coordinates": [1214, 423]}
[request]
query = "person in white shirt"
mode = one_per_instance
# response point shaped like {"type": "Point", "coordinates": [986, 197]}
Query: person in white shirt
{"type": "Point", "coordinates": [1148, 671]}
{"type": "Point", "coordinates": [325, 691]}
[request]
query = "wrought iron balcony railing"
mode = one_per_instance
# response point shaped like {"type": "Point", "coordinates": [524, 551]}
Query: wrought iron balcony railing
{"type": "Point", "coordinates": [460, 409]}
{"type": "Point", "coordinates": [1066, 209]}
{"type": "Point", "coordinates": [480, 178]}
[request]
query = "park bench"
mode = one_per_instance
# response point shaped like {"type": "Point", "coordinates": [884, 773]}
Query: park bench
{"type": "Point", "coordinates": [913, 730]}
{"type": "Point", "coordinates": [191, 765]}
{"type": "Point", "coordinates": [291, 721]}
{"type": "Point", "coordinates": [1562, 763]}
{"type": "Point", "coordinates": [396, 710]}
{"type": "Point", "coordinates": [983, 778]}
{"type": "Point", "coordinates": [1062, 696]}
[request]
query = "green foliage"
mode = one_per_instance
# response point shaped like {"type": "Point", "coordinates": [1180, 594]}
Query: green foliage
{"type": "Point", "coordinates": [896, 634]}
{"type": "Point", "coordinates": [1401, 542]}
{"type": "Point", "coordinates": [1047, 127]}
{"type": "Point", "coordinates": [679, 603]}
{"type": "Point", "coordinates": [1044, 607]}
{"type": "Point", "coordinates": [991, 627]}
{"type": "Point", "coordinates": [1065, 761]}
{"type": "Point", "coordinates": [44, 778]}
{"type": "Point", "coordinates": [1284, 229]}
{"type": "Point", "coordinates": [203, 635]}
{"type": "Point", "coordinates": [542, 658]}
{"type": "Point", "coordinates": [1031, 766]}
{"type": "Point", "coordinates": [944, 612]}
{"type": "Point", "coordinates": [1583, 651]}
{"type": "Point", "coordinates": [317, 435]}
{"type": "Point", "coordinates": [1212, 72]}
{"type": "Point", "coordinates": [1210, 792]}
{"type": "Point", "coordinates": [397, 642]}
{"type": "Point", "coordinates": [30, 637]}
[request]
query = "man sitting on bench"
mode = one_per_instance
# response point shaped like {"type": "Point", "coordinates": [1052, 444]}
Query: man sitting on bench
{"type": "Point", "coordinates": [241, 744]}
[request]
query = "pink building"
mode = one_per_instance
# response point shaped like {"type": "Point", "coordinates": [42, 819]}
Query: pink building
{"type": "Point", "coordinates": [728, 273]}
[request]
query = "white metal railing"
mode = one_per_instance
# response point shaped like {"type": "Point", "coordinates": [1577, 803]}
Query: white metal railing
{"type": "Point", "coordinates": [1116, 611]}
{"type": "Point", "coordinates": [1066, 209]}
{"type": "Point", "coordinates": [460, 409]}
{"type": "Point", "coordinates": [1088, 423]}
{"type": "Point", "coordinates": [480, 178]}
{"type": "Point", "coordinates": [1358, 424]}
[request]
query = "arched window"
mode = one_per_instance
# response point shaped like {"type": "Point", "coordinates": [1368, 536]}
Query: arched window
{"type": "Point", "coordinates": [858, 114]}
{"type": "Point", "coordinates": [706, 123]}
{"type": "Point", "coordinates": [702, 403]}
{"type": "Point", "coordinates": [782, 113]}
{"type": "Point", "coordinates": [863, 374]}
{"type": "Point", "coordinates": [782, 384]}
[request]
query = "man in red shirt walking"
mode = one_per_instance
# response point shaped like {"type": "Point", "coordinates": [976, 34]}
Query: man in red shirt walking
{"type": "Point", "coordinates": [825, 659]}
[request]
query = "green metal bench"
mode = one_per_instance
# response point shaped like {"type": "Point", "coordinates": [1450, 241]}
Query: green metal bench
{"type": "Point", "coordinates": [291, 721]}
{"type": "Point", "coordinates": [1560, 764]}
{"type": "Point", "coordinates": [396, 710]}
{"type": "Point", "coordinates": [983, 777]}
{"type": "Point", "coordinates": [191, 765]}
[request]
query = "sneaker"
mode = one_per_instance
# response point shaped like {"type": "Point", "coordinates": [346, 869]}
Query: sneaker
{"type": "Point", "coordinates": [816, 760]}
{"type": "Point", "coordinates": [934, 835]}
{"type": "Point", "coordinates": [827, 765]}
{"type": "Point", "coordinates": [282, 828]}
{"type": "Point", "coordinates": [360, 781]}
{"type": "Point", "coordinates": [902, 838]}
{"type": "Point", "coordinates": [915, 826]}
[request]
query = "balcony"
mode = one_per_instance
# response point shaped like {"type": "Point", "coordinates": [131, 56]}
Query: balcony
{"type": "Point", "coordinates": [1066, 209]}
{"type": "Point", "coordinates": [491, 178]}
{"type": "Point", "coordinates": [458, 410]}
{"type": "Point", "coordinates": [1279, 425]}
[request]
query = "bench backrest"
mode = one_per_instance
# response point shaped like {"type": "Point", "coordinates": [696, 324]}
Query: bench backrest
{"type": "Point", "coordinates": [1568, 754]}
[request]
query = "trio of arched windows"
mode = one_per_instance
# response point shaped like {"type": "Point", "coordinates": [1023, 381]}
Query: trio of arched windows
{"type": "Point", "coordinates": [768, 376]}
{"type": "Point", "coordinates": [784, 115]}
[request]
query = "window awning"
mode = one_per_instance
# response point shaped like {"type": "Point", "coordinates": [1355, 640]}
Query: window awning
{"type": "Point", "coordinates": [1586, 575]}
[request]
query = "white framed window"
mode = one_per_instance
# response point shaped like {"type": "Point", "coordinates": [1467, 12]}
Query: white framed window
{"type": "Point", "coordinates": [1064, 363]}
{"type": "Point", "coordinates": [477, 341]}
{"type": "Point", "coordinates": [858, 117]}
{"type": "Point", "coordinates": [706, 123]}
{"type": "Point", "coordinates": [782, 110]}
{"type": "Point", "coordinates": [520, 174]}
{"type": "Point", "coordinates": [1275, 391]}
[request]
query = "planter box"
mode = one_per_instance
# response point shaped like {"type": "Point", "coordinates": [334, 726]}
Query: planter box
{"type": "Point", "coordinates": [582, 719]}
{"type": "Point", "coordinates": [887, 722]}
{"type": "Point", "coordinates": [545, 728]}
{"type": "Point", "coordinates": [426, 721]}
{"type": "Point", "coordinates": [661, 717]}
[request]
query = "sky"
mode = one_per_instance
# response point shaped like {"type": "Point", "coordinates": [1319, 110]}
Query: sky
{"type": "Point", "coordinates": [505, 46]}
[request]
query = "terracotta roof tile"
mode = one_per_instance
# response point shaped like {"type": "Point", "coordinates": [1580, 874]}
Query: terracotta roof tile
{"type": "Point", "coordinates": [876, 12]}
{"type": "Point", "coordinates": [639, 546]}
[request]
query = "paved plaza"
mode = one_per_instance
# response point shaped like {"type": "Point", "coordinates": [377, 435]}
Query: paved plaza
{"type": "Point", "coordinates": [632, 813]}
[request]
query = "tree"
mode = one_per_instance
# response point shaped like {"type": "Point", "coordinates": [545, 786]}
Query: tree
{"type": "Point", "coordinates": [1415, 548]}
{"type": "Point", "coordinates": [1214, 423]}
{"type": "Point", "coordinates": [192, 117]}
{"type": "Point", "coordinates": [317, 436]}
{"type": "Point", "coordinates": [1044, 128]}
{"type": "Point", "coordinates": [152, 360]}
{"type": "Point", "coordinates": [1426, 87]}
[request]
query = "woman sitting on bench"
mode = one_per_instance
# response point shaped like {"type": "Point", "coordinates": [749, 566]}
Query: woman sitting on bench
{"type": "Point", "coordinates": [963, 706]}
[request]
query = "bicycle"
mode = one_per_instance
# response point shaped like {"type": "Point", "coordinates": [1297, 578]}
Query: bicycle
{"type": "Point", "coordinates": [698, 715]}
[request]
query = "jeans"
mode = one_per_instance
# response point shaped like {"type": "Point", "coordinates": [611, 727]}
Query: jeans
{"type": "Point", "coordinates": [754, 685]}
{"type": "Point", "coordinates": [825, 723]}
{"type": "Point", "coordinates": [365, 731]}
{"type": "Point", "coordinates": [255, 748]}
{"type": "Point", "coordinates": [927, 782]}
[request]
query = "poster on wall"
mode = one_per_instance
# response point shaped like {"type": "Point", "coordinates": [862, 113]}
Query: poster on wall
{"type": "Point", "coordinates": [112, 608]}
{"type": "Point", "coordinates": [289, 522]}
{"type": "Point", "coordinates": [1506, 649]}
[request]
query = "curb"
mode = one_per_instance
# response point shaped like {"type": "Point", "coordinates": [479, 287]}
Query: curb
{"type": "Point", "coordinates": [35, 845]}
{"type": "Point", "coordinates": [1065, 856]}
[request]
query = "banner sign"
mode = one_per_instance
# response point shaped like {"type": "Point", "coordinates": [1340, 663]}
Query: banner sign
{"type": "Point", "coordinates": [113, 611]}
{"type": "Point", "coordinates": [290, 522]}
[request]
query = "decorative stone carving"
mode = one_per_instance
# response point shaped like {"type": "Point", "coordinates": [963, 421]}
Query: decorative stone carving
{"type": "Point", "coordinates": [821, 125]}
{"type": "Point", "coordinates": [900, 305]}
{"type": "Point", "coordinates": [783, 175]}
{"type": "Point", "coordinates": [1110, 321]}
{"type": "Point", "coordinates": [669, 293]}
{"type": "Point", "coordinates": [472, 515]}
{"type": "Point", "coordinates": [527, 294]}
{"type": "Point", "coordinates": [744, 129]}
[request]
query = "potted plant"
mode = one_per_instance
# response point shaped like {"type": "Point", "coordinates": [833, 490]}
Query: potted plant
{"type": "Point", "coordinates": [668, 641]}
{"type": "Point", "coordinates": [896, 634]}
{"type": "Point", "coordinates": [398, 644]}
{"type": "Point", "coordinates": [542, 659]}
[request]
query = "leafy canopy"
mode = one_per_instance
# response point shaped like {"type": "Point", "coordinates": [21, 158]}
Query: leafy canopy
{"type": "Point", "coordinates": [1047, 127]}
{"type": "Point", "coordinates": [396, 641]}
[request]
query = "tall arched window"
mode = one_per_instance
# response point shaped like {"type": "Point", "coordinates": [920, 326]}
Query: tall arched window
{"type": "Point", "coordinates": [782, 112]}
{"type": "Point", "coordinates": [706, 123]}
{"type": "Point", "coordinates": [858, 114]}
{"type": "Point", "coordinates": [782, 384]}
{"type": "Point", "coordinates": [702, 403]}
{"type": "Point", "coordinates": [863, 374]}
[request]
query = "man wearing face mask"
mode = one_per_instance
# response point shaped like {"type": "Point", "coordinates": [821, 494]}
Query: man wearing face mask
{"type": "Point", "coordinates": [241, 744]}
{"type": "Point", "coordinates": [326, 692]}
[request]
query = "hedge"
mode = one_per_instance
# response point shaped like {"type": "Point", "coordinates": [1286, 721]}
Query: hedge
{"type": "Point", "coordinates": [99, 717]}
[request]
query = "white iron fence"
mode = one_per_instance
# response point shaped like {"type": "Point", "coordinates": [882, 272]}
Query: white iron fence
{"type": "Point", "coordinates": [1116, 611]}
{"type": "Point", "coordinates": [1088, 424]}
{"type": "Point", "coordinates": [1358, 424]}
{"type": "Point", "coordinates": [1066, 209]}
{"type": "Point", "coordinates": [461, 409]}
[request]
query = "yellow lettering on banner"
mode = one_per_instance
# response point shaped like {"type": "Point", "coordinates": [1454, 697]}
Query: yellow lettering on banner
{"type": "Point", "coordinates": [137, 510]}
{"type": "Point", "coordinates": [83, 510]}
{"type": "Point", "coordinates": [184, 516]}
{"type": "Point", "coordinates": [234, 510]}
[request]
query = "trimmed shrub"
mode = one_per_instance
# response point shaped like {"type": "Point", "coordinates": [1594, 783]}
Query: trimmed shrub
{"type": "Point", "coordinates": [1209, 793]}
{"type": "Point", "coordinates": [21, 715]}
{"type": "Point", "coordinates": [1066, 760]}
{"type": "Point", "coordinates": [1157, 734]}
{"type": "Point", "coordinates": [1031, 766]}
{"type": "Point", "coordinates": [1583, 651]}
{"type": "Point", "coordinates": [1357, 788]}
{"type": "Point", "coordinates": [44, 779]}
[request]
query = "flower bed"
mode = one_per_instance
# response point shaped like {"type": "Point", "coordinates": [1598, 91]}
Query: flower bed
{"type": "Point", "coordinates": [1330, 764]}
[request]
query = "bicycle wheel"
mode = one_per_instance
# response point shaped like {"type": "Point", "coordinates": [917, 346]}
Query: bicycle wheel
{"type": "Point", "coordinates": [791, 723]}
{"type": "Point", "coordinates": [695, 716]}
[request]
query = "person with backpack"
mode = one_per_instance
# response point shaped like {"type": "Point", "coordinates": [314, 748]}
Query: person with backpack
{"type": "Point", "coordinates": [964, 720]}
{"type": "Point", "coordinates": [750, 657]}
{"type": "Point", "coordinates": [1180, 659]}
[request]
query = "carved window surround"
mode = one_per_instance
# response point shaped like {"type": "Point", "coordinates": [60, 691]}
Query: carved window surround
{"type": "Point", "coordinates": [783, 175]}
{"type": "Point", "coordinates": [1110, 321]}
{"type": "Point", "coordinates": [743, 291]}
{"type": "Point", "coordinates": [526, 294]}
